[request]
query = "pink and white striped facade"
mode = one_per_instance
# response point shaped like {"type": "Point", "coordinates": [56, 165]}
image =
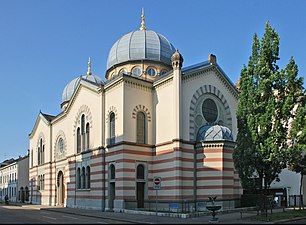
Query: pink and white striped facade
{"type": "Point", "coordinates": [172, 105]}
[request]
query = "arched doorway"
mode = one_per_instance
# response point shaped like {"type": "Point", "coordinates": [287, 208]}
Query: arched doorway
{"type": "Point", "coordinates": [140, 186]}
{"type": "Point", "coordinates": [112, 186]}
{"type": "Point", "coordinates": [60, 188]}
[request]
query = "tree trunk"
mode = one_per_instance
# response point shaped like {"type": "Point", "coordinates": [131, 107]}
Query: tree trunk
{"type": "Point", "coordinates": [301, 184]}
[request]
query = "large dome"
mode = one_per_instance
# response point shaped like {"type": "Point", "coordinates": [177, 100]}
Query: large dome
{"type": "Point", "coordinates": [141, 45]}
{"type": "Point", "coordinates": [72, 85]}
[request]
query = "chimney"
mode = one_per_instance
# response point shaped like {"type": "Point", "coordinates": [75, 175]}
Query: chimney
{"type": "Point", "coordinates": [212, 59]}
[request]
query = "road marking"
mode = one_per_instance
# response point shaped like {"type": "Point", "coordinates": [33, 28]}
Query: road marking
{"type": "Point", "coordinates": [48, 217]}
{"type": "Point", "coordinates": [102, 222]}
{"type": "Point", "coordinates": [70, 217]}
{"type": "Point", "coordinates": [45, 212]}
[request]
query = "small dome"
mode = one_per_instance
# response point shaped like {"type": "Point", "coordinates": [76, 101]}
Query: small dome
{"type": "Point", "coordinates": [214, 133]}
{"type": "Point", "coordinates": [72, 85]}
{"type": "Point", "coordinates": [141, 45]}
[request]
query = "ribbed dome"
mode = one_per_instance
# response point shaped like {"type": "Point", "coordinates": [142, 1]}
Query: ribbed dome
{"type": "Point", "coordinates": [72, 85]}
{"type": "Point", "coordinates": [141, 45]}
{"type": "Point", "coordinates": [214, 133]}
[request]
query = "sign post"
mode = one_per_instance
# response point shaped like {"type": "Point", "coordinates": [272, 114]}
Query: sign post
{"type": "Point", "coordinates": [156, 186]}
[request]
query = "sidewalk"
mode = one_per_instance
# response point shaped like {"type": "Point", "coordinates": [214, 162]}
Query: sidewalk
{"type": "Point", "coordinates": [134, 217]}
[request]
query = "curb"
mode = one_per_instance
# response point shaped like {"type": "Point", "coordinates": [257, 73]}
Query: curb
{"type": "Point", "coordinates": [289, 220]}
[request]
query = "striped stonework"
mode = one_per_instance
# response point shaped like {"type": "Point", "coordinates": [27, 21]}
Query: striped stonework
{"type": "Point", "coordinates": [215, 170]}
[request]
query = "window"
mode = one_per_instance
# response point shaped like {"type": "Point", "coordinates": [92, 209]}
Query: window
{"type": "Point", "coordinates": [87, 177]}
{"type": "Point", "coordinates": [112, 172]}
{"type": "Point", "coordinates": [78, 178]}
{"type": "Point", "coordinates": [140, 172]}
{"type": "Point", "coordinates": [136, 71]}
{"type": "Point", "coordinates": [78, 140]}
{"type": "Point", "coordinates": [41, 152]}
{"type": "Point", "coordinates": [83, 135]}
{"type": "Point", "coordinates": [43, 182]}
{"type": "Point", "coordinates": [38, 183]}
{"type": "Point", "coordinates": [83, 177]}
{"type": "Point", "coordinates": [140, 127]}
{"type": "Point", "coordinates": [122, 71]}
{"type": "Point", "coordinates": [112, 128]}
{"type": "Point", "coordinates": [162, 72]}
{"type": "Point", "coordinates": [60, 145]}
{"type": "Point", "coordinates": [210, 110]}
{"type": "Point", "coordinates": [38, 156]}
{"type": "Point", "coordinates": [151, 71]}
{"type": "Point", "coordinates": [87, 136]}
{"type": "Point", "coordinates": [31, 157]}
{"type": "Point", "coordinates": [83, 131]}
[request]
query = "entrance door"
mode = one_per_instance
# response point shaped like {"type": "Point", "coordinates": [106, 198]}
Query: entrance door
{"type": "Point", "coordinates": [112, 195]}
{"type": "Point", "coordinates": [60, 188]}
{"type": "Point", "coordinates": [140, 194]}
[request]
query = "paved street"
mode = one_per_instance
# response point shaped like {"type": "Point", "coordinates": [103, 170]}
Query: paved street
{"type": "Point", "coordinates": [21, 215]}
{"type": "Point", "coordinates": [38, 214]}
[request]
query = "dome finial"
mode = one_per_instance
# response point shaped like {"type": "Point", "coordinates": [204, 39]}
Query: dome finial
{"type": "Point", "coordinates": [142, 27]}
{"type": "Point", "coordinates": [89, 67]}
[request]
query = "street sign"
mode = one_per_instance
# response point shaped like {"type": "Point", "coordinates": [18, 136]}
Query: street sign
{"type": "Point", "coordinates": [156, 183]}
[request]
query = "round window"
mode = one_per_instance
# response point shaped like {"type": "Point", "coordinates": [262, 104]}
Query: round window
{"type": "Point", "coordinates": [136, 71]}
{"type": "Point", "coordinates": [123, 71]}
{"type": "Point", "coordinates": [151, 72]}
{"type": "Point", "coordinates": [210, 110]}
{"type": "Point", "coordinates": [162, 72]}
{"type": "Point", "coordinates": [61, 145]}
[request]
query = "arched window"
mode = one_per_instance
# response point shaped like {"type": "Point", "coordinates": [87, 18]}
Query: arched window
{"type": "Point", "coordinates": [31, 158]}
{"type": "Point", "coordinates": [87, 136]}
{"type": "Point", "coordinates": [112, 172]}
{"type": "Point", "coordinates": [122, 71]}
{"type": "Point", "coordinates": [78, 140]}
{"type": "Point", "coordinates": [43, 182]}
{"type": "Point", "coordinates": [140, 172]}
{"type": "Point", "coordinates": [83, 131]}
{"type": "Point", "coordinates": [60, 145]}
{"type": "Point", "coordinates": [38, 182]}
{"type": "Point", "coordinates": [43, 154]}
{"type": "Point", "coordinates": [38, 156]}
{"type": "Point", "coordinates": [87, 177]}
{"type": "Point", "coordinates": [162, 72]}
{"type": "Point", "coordinates": [112, 128]}
{"type": "Point", "coordinates": [83, 177]}
{"type": "Point", "coordinates": [140, 127]}
{"type": "Point", "coordinates": [41, 150]}
{"type": "Point", "coordinates": [78, 178]}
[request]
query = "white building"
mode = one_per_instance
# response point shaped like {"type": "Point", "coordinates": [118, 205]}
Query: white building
{"type": "Point", "coordinates": [14, 179]}
{"type": "Point", "coordinates": [149, 118]}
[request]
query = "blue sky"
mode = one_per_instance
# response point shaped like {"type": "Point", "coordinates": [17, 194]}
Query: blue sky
{"type": "Point", "coordinates": [45, 44]}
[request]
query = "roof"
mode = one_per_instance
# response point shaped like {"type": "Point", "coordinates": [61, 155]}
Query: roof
{"type": "Point", "coordinates": [72, 85]}
{"type": "Point", "coordinates": [48, 117]}
{"type": "Point", "coordinates": [141, 45]}
{"type": "Point", "coordinates": [214, 133]}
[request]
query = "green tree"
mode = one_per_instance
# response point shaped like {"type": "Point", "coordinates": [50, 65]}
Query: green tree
{"type": "Point", "coordinates": [265, 106]}
{"type": "Point", "coordinates": [297, 162]}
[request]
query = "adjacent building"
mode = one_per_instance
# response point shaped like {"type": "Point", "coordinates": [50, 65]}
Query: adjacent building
{"type": "Point", "coordinates": [14, 179]}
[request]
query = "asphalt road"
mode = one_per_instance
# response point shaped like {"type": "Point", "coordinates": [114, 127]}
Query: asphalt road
{"type": "Point", "coordinates": [20, 215]}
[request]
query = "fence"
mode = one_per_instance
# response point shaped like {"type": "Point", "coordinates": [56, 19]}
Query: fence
{"type": "Point", "coordinates": [294, 200]}
{"type": "Point", "coordinates": [183, 206]}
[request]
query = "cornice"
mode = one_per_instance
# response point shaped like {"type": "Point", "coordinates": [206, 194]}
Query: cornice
{"type": "Point", "coordinates": [189, 76]}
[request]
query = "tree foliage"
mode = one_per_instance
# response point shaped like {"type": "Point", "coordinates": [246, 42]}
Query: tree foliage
{"type": "Point", "coordinates": [266, 102]}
